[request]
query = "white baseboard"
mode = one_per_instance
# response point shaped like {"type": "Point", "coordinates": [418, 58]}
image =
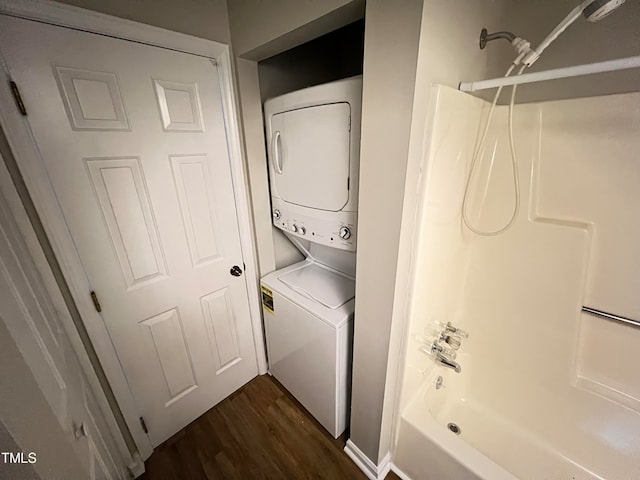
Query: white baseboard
{"type": "Point", "coordinates": [136, 468]}
{"type": "Point", "coordinates": [399, 472]}
{"type": "Point", "coordinates": [364, 463]}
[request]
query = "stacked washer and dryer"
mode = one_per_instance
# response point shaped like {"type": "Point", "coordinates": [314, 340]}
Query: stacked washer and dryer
{"type": "Point", "coordinates": [313, 138]}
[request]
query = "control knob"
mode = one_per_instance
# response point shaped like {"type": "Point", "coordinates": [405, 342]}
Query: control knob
{"type": "Point", "coordinates": [294, 228]}
{"type": "Point", "coordinates": [344, 233]}
{"type": "Point", "coordinates": [302, 230]}
{"type": "Point", "coordinates": [276, 214]}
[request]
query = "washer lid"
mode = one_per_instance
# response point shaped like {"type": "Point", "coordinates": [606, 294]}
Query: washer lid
{"type": "Point", "coordinates": [314, 281]}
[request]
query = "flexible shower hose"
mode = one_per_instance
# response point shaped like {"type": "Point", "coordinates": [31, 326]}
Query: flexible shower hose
{"type": "Point", "coordinates": [514, 162]}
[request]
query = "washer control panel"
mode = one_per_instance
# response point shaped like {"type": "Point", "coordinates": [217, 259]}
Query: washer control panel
{"type": "Point", "coordinates": [338, 234]}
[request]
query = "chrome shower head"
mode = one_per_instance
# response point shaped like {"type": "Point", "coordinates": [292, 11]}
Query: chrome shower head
{"type": "Point", "coordinates": [593, 10]}
{"type": "Point", "coordinates": [598, 9]}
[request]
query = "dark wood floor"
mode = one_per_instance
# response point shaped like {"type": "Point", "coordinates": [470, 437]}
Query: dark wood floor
{"type": "Point", "coordinates": [259, 432]}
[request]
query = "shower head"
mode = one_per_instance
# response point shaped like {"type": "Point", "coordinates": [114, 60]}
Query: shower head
{"type": "Point", "coordinates": [598, 9]}
{"type": "Point", "coordinates": [593, 10]}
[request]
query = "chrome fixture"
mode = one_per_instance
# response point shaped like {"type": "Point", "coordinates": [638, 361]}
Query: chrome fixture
{"type": "Point", "coordinates": [451, 329]}
{"type": "Point", "coordinates": [454, 428]}
{"type": "Point", "coordinates": [488, 37]}
{"type": "Point", "coordinates": [452, 341]}
{"type": "Point", "coordinates": [435, 348]}
{"type": "Point", "coordinates": [432, 345]}
{"type": "Point", "coordinates": [611, 316]}
{"type": "Point", "coordinates": [451, 335]}
{"type": "Point", "coordinates": [441, 359]}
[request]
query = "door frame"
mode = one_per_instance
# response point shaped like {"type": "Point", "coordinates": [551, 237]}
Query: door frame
{"type": "Point", "coordinates": [23, 145]}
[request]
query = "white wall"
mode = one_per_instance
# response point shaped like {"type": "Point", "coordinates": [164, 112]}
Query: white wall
{"type": "Point", "coordinates": [200, 18]}
{"type": "Point", "coordinates": [392, 32]}
{"type": "Point", "coordinates": [255, 156]}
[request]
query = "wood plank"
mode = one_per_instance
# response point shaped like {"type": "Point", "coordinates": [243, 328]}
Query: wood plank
{"type": "Point", "coordinates": [260, 431]}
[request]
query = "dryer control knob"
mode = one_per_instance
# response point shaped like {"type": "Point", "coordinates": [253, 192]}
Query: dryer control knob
{"type": "Point", "coordinates": [302, 230]}
{"type": "Point", "coordinates": [294, 228]}
{"type": "Point", "coordinates": [276, 214]}
{"type": "Point", "coordinates": [344, 233]}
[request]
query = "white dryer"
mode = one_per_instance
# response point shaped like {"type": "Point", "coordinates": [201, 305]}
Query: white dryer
{"type": "Point", "coordinates": [314, 148]}
{"type": "Point", "coordinates": [314, 151]}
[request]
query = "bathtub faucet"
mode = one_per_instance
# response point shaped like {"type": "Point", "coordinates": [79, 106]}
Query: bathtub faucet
{"type": "Point", "coordinates": [442, 356]}
{"type": "Point", "coordinates": [441, 359]}
{"type": "Point", "coordinates": [440, 343]}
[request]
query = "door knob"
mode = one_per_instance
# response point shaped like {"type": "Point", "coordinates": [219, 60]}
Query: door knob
{"type": "Point", "coordinates": [236, 271]}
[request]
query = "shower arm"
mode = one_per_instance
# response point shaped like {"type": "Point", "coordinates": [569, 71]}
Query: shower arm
{"type": "Point", "coordinates": [488, 37]}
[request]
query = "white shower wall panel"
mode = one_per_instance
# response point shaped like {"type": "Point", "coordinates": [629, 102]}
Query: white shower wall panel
{"type": "Point", "coordinates": [567, 378]}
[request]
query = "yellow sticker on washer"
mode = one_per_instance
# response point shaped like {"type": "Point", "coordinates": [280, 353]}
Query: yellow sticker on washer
{"type": "Point", "coordinates": [267, 299]}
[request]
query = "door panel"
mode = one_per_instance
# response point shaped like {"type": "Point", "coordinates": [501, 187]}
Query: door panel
{"type": "Point", "coordinates": [193, 185]}
{"type": "Point", "coordinates": [31, 319]}
{"type": "Point", "coordinates": [221, 328]}
{"type": "Point", "coordinates": [23, 308]}
{"type": "Point", "coordinates": [134, 142]}
{"type": "Point", "coordinates": [120, 191]}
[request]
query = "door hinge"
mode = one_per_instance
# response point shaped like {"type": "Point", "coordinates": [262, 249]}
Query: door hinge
{"type": "Point", "coordinates": [144, 425]}
{"type": "Point", "coordinates": [18, 98]}
{"type": "Point", "coordinates": [96, 302]}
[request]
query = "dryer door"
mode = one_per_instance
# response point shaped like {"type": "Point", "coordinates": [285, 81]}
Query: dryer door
{"type": "Point", "coordinates": [310, 156]}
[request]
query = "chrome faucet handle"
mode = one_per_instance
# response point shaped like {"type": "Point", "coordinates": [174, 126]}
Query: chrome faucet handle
{"type": "Point", "coordinates": [449, 328]}
{"type": "Point", "coordinates": [428, 352]}
{"type": "Point", "coordinates": [447, 352]}
{"type": "Point", "coordinates": [422, 339]}
{"type": "Point", "coordinates": [453, 341]}
{"type": "Point", "coordinates": [434, 351]}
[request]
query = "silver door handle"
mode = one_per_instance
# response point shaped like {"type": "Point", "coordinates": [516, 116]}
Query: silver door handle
{"type": "Point", "coordinates": [236, 271]}
{"type": "Point", "coordinates": [277, 154]}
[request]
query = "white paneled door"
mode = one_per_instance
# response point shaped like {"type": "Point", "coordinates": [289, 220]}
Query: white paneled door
{"type": "Point", "coordinates": [133, 140]}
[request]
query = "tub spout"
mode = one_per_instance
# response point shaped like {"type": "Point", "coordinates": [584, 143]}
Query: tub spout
{"type": "Point", "coordinates": [446, 362]}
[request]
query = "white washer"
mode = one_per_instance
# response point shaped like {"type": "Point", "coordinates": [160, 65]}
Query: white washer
{"type": "Point", "coordinates": [308, 317]}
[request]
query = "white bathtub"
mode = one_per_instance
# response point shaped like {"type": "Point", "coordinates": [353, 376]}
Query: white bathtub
{"type": "Point", "coordinates": [489, 446]}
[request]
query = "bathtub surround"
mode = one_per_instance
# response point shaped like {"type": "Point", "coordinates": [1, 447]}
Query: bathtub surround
{"type": "Point", "coordinates": [538, 374]}
{"type": "Point", "coordinates": [448, 54]}
{"type": "Point", "coordinates": [442, 58]}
